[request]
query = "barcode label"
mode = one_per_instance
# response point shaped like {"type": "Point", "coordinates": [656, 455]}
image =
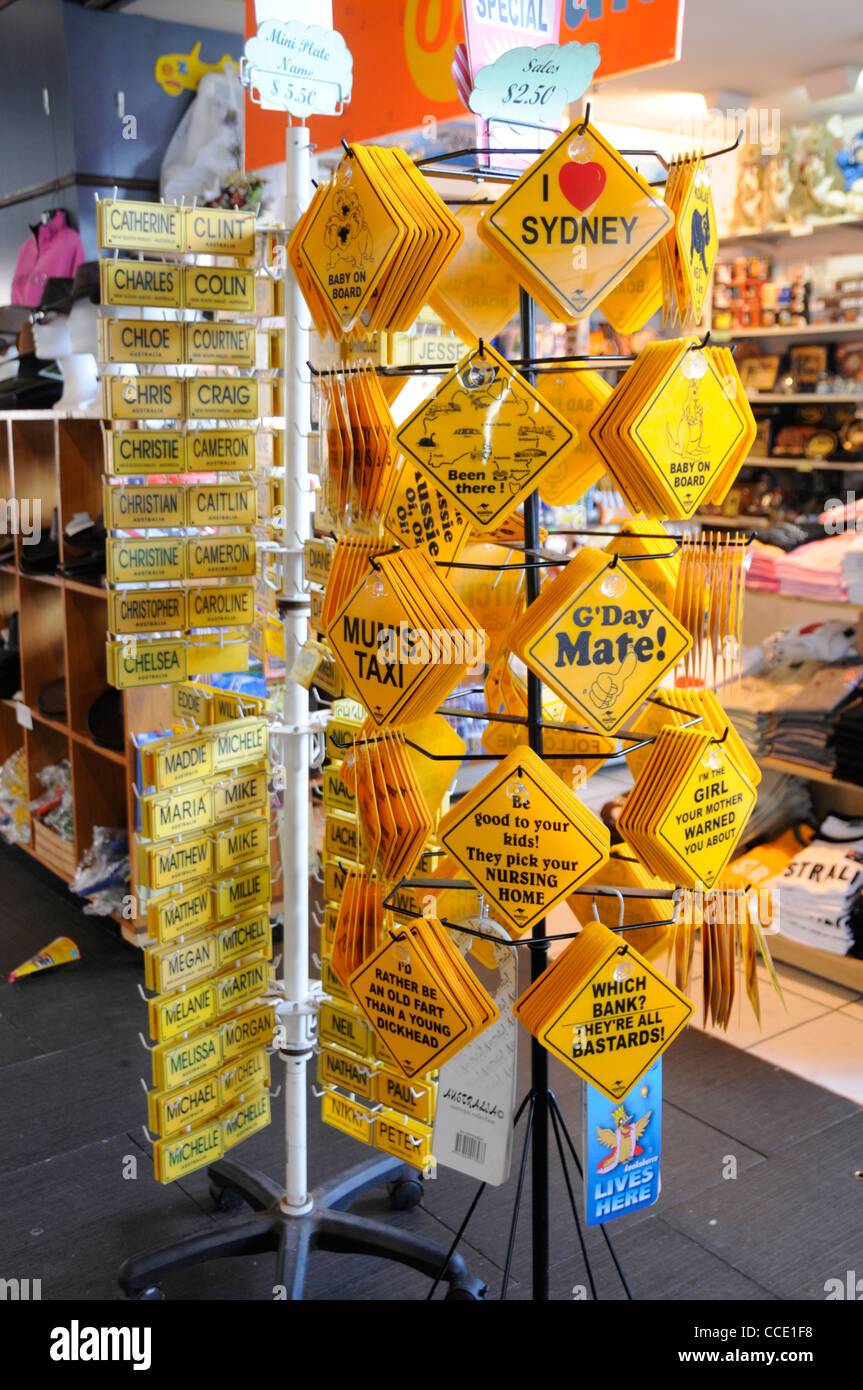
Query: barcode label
{"type": "Point", "coordinates": [470, 1146]}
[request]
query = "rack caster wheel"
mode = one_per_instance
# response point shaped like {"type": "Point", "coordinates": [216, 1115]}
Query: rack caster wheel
{"type": "Point", "coordinates": [472, 1292]}
{"type": "Point", "coordinates": [406, 1193]}
{"type": "Point", "coordinates": [153, 1294]}
{"type": "Point", "coordinates": [225, 1198]}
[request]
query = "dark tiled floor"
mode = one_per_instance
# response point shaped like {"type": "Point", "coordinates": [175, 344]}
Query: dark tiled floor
{"type": "Point", "coordinates": [70, 1059]}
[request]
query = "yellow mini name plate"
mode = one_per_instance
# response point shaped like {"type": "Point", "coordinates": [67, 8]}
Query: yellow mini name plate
{"type": "Point", "coordinates": [217, 287]}
{"type": "Point", "coordinates": [186, 861]}
{"type": "Point", "coordinates": [168, 967]}
{"type": "Point", "coordinates": [247, 1119]}
{"type": "Point", "coordinates": [222, 504]}
{"type": "Point", "coordinates": [141, 341]}
{"type": "Point", "coordinates": [221, 557]}
{"type": "Point", "coordinates": [219, 231]}
{"type": "Point", "coordinates": [177, 1063]}
{"type": "Point", "coordinates": [138, 452]}
{"type": "Point", "coordinates": [338, 1069]}
{"type": "Point", "coordinates": [139, 226]}
{"type": "Point", "coordinates": [176, 812]}
{"type": "Point", "coordinates": [347, 1115]}
{"type": "Point", "coordinates": [221, 398]}
{"type": "Point", "coordinates": [240, 843]}
{"type": "Point", "coordinates": [144, 560]}
{"type": "Point", "coordinates": [143, 397]}
{"type": "Point", "coordinates": [208, 451]}
{"type": "Point", "coordinates": [142, 284]}
{"type": "Point", "coordinates": [139, 507]}
{"type": "Point", "coordinates": [404, 1138]}
{"type": "Point", "coordinates": [175, 1158]}
{"type": "Point", "coordinates": [173, 915]}
{"type": "Point", "coordinates": [220, 344]}
{"type": "Point", "coordinates": [132, 663]}
{"type": "Point", "coordinates": [221, 605]}
{"type": "Point", "coordinates": [146, 610]}
{"type": "Point", "coordinates": [174, 1014]}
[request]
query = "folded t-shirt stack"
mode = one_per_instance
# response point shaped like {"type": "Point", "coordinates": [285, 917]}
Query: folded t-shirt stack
{"type": "Point", "coordinates": [761, 571]}
{"type": "Point", "coordinates": [804, 724]}
{"type": "Point", "coordinates": [782, 800]}
{"type": "Point", "coordinates": [848, 742]}
{"type": "Point", "coordinates": [819, 895]}
{"type": "Point", "coordinates": [815, 570]}
{"type": "Point", "coordinates": [852, 570]}
{"type": "Point", "coordinates": [750, 703]}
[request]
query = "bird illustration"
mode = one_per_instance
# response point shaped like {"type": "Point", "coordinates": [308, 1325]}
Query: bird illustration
{"type": "Point", "coordinates": [178, 72]}
{"type": "Point", "coordinates": [622, 1140]}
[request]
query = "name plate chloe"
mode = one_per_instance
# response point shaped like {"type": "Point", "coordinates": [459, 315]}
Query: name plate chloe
{"type": "Point", "coordinates": [219, 287]}
{"type": "Point", "coordinates": [139, 226]}
{"type": "Point", "coordinates": [145, 285]}
{"type": "Point", "coordinates": [143, 398]}
{"type": "Point", "coordinates": [221, 397]}
{"type": "Point", "coordinates": [145, 560]}
{"type": "Point", "coordinates": [226, 344]}
{"type": "Point", "coordinates": [138, 507]}
{"type": "Point", "coordinates": [141, 340]}
{"type": "Point", "coordinates": [139, 452]}
{"type": "Point", "coordinates": [220, 232]}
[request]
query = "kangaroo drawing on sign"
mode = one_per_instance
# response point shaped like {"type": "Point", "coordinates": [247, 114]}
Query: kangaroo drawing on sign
{"type": "Point", "coordinates": [700, 235]}
{"type": "Point", "coordinates": [346, 233]}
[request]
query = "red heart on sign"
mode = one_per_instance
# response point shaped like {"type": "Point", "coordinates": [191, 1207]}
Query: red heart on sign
{"type": "Point", "coordinates": [581, 184]}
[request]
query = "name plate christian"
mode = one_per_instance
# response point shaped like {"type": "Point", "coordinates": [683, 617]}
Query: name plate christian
{"type": "Point", "coordinates": [138, 452]}
{"type": "Point", "coordinates": [137, 507]}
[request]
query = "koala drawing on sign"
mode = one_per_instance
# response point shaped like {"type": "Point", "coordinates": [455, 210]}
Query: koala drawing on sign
{"type": "Point", "coordinates": [346, 232]}
{"type": "Point", "coordinates": [700, 235]}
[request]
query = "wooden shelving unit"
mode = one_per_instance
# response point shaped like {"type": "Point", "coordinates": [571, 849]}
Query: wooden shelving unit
{"type": "Point", "coordinates": [57, 460]}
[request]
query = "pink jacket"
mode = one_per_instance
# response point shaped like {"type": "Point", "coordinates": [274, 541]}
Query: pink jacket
{"type": "Point", "coordinates": [54, 249]}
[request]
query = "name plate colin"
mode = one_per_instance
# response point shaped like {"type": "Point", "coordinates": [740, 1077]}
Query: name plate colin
{"type": "Point", "coordinates": [219, 287]}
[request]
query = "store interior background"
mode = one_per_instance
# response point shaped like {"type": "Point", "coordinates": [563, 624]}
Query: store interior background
{"type": "Point", "coordinates": [801, 60]}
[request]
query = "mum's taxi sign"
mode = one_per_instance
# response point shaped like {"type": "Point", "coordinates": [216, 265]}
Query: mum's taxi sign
{"type": "Point", "coordinates": [300, 68]}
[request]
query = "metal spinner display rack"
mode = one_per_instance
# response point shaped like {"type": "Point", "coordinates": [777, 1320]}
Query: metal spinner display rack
{"type": "Point", "coordinates": [290, 1220]}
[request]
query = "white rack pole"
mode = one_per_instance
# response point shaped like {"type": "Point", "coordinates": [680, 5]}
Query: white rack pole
{"type": "Point", "coordinates": [294, 825]}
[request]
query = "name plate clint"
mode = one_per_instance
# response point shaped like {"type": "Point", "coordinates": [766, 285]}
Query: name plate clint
{"type": "Point", "coordinates": [219, 231]}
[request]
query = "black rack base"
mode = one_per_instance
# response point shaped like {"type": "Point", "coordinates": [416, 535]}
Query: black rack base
{"type": "Point", "coordinates": [328, 1226]}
